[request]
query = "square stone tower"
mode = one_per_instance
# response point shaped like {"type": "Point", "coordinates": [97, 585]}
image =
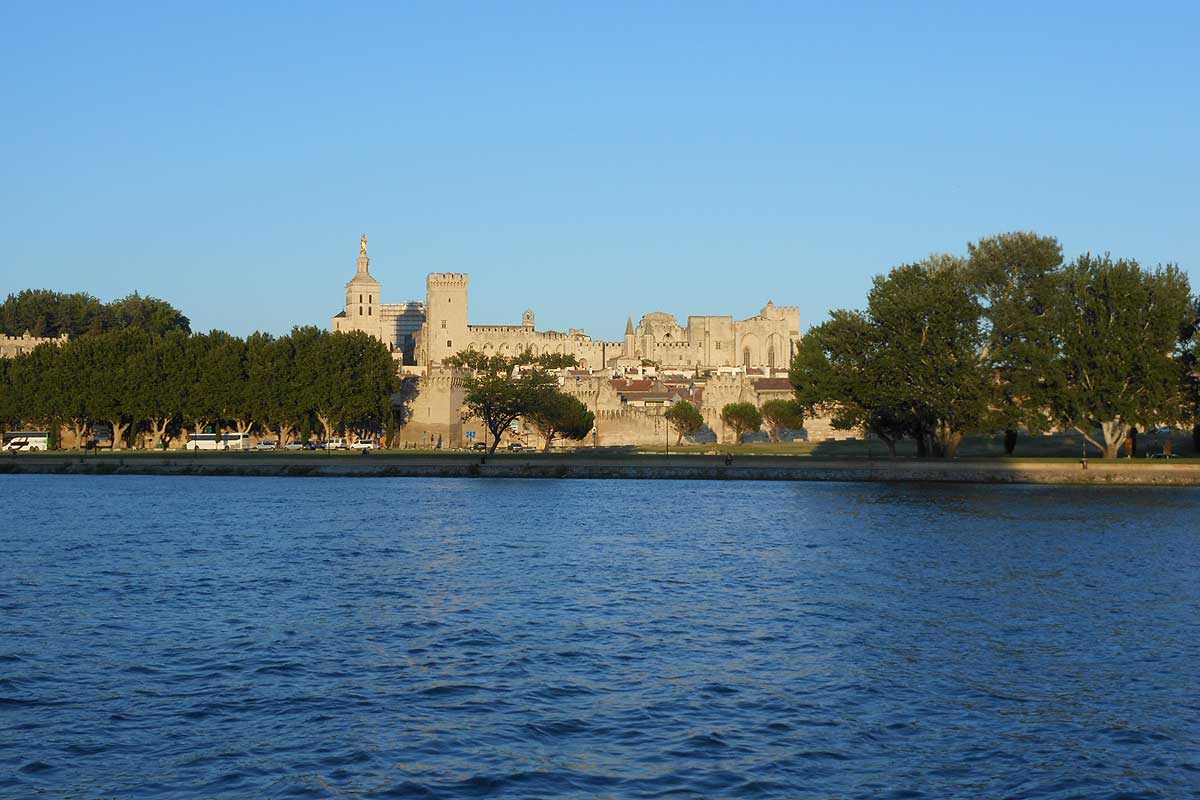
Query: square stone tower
{"type": "Point", "coordinates": [445, 315]}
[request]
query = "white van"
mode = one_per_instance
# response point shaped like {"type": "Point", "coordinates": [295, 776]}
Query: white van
{"type": "Point", "coordinates": [336, 443]}
{"type": "Point", "coordinates": [26, 441]}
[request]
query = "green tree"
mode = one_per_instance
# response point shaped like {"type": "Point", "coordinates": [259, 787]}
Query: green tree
{"type": "Point", "coordinates": [277, 387]}
{"type": "Point", "coordinates": [1118, 330]}
{"type": "Point", "coordinates": [779, 415]}
{"type": "Point", "coordinates": [114, 378]}
{"type": "Point", "coordinates": [840, 369]}
{"type": "Point", "coordinates": [741, 418]}
{"type": "Point", "coordinates": [218, 392]}
{"type": "Point", "coordinates": [161, 393]}
{"type": "Point", "coordinates": [560, 414]}
{"type": "Point", "coordinates": [499, 389]}
{"type": "Point", "coordinates": [42, 312]}
{"type": "Point", "coordinates": [348, 379]}
{"type": "Point", "coordinates": [1015, 277]}
{"type": "Point", "coordinates": [149, 314]}
{"type": "Point", "coordinates": [47, 313]}
{"type": "Point", "coordinates": [911, 365]}
{"type": "Point", "coordinates": [930, 333]}
{"type": "Point", "coordinates": [685, 418]}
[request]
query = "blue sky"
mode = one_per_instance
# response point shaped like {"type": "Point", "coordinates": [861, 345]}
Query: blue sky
{"type": "Point", "coordinates": [590, 161]}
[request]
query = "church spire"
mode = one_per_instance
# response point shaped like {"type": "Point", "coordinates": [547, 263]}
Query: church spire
{"type": "Point", "coordinates": [629, 326]}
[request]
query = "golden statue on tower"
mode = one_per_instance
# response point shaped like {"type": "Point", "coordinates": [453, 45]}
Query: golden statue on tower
{"type": "Point", "coordinates": [362, 245]}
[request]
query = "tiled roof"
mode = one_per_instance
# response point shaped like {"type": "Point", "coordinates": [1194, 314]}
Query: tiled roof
{"type": "Point", "coordinates": [772, 385]}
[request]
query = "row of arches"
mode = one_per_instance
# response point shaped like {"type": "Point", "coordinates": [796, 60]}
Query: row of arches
{"type": "Point", "coordinates": [771, 354]}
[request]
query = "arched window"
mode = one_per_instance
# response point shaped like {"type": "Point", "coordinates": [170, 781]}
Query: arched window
{"type": "Point", "coordinates": [771, 356]}
{"type": "Point", "coordinates": [449, 343]}
{"type": "Point", "coordinates": [360, 298]}
{"type": "Point", "coordinates": [746, 357]}
{"type": "Point", "coordinates": [368, 311]}
{"type": "Point", "coordinates": [360, 311]}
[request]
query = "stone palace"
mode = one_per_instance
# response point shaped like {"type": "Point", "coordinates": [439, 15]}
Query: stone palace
{"type": "Point", "coordinates": [710, 361]}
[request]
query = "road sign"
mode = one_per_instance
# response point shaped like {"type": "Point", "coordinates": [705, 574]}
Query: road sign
{"type": "Point", "coordinates": [470, 434]}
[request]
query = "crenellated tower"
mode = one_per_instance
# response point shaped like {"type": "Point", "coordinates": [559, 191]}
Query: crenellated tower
{"type": "Point", "coordinates": [445, 315]}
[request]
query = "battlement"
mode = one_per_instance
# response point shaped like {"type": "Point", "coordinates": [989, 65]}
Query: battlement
{"type": "Point", "coordinates": [455, 280]}
{"type": "Point", "coordinates": [29, 339]}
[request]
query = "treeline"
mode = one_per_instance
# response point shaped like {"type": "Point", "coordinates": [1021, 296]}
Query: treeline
{"type": "Point", "coordinates": [1008, 337]}
{"type": "Point", "coordinates": [44, 313]}
{"type": "Point", "coordinates": [163, 385]}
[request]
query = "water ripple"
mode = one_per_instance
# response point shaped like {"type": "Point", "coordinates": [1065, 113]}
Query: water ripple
{"type": "Point", "coordinates": [452, 639]}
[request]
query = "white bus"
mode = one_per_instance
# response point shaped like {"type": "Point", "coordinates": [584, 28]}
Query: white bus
{"type": "Point", "coordinates": [26, 441]}
{"type": "Point", "coordinates": [218, 441]}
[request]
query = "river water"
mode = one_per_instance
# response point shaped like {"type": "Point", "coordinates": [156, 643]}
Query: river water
{"type": "Point", "coordinates": [228, 637]}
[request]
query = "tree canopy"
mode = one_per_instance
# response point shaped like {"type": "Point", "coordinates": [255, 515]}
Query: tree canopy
{"type": "Point", "coordinates": [1118, 363]}
{"type": "Point", "coordinates": [45, 313]}
{"type": "Point", "coordinates": [499, 389]}
{"type": "Point", "coordinates": [741, 418]}
{"type": "Point", "coordinates": [166, 385]}
{"type": "Point", "coordinates": [560, 414]}
{"type": "Point", "coordinates": [1007, 338]}
{"type": "Point", "coordinates": [780, 415]}
{"type": "Point", "coordinates": [685, 418]}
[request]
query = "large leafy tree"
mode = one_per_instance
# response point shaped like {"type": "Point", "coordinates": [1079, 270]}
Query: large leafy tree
{"type": "Point", "coordinates": [780, 415]}
{"type": "Point", "coordinates": [685, 418]}
{"type": "Point", "coordinates": [115, 375]}
{"type": "Point", "coordinates": [911, 365]}
{"type": "Point", "coordinates": [560, 414]}
{"type": "Point", "coordinates": [165, 371]}
{"type": "Point", "coordinates": [47, 313]}
{"type": "Point", "coordinates": [741, 418]}
{"type": "Point", "coordinates": [1118, 329]}
{"type": "Point", "coordinates": [218, 391]}
{"type": "Point", "coordinates": [277, 387]}
{"type": "Point", "coordinates": [348, 379]}
{"type": "Point", "coordinates": [1015, 276]}
{"type": "Point", "coordinates": [930, 335]}
{"type": "Point", "coordinates": [840, 370]}
{"type": "Point", "coordinates": [499, 389]}
{"type": "Point", "coordinates": [149, 314]}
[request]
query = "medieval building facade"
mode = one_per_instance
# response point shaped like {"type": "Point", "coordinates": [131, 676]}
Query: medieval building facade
{"type": "Point", "coordinates": [710, 361]}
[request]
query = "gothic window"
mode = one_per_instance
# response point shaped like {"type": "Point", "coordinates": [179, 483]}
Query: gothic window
{"type": "Point", "coordinates": [368, 298]}
{"type": "Point", "coordinates": [449, 343]}
{"type": "Point", "coordinates": [746, 357]}
{"type": "Point", "coordinates": [771, 356]}
{"type": "Point", "coordinates": [443, 323]}
{"type": "Point", "coordinates": [360, 298]}
{"type": "Point", "coordinates": [360, 311]}
{"type": "Point", "coordinates": [368, 311]}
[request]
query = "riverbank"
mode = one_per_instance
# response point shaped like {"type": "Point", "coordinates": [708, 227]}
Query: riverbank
{"type": "Point", "coordinates": [1143, 472]}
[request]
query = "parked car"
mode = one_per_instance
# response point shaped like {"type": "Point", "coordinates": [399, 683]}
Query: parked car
{"type": "Point", "coordinates": [364, 445]}
{"type": "Point", "coordinates": [298, 446]}
{"type": "Point", "coordinates": [516, 447]}
{"type": "Point", "coordinates": [266, 444]}
{"type": "Point", "coordinates": [336, 443]}
{"type": "Point", "coordinates": [479, 446]}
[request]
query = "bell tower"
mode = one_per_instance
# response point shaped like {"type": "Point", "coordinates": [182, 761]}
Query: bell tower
{"type": "Point", "coordinates": [361, 312]}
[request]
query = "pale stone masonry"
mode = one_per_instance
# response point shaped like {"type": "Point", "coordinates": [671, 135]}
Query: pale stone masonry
{"type": "Point", "coordinates": [711, 361]}
{"type": "Point", "coordinates": [13, 346]}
